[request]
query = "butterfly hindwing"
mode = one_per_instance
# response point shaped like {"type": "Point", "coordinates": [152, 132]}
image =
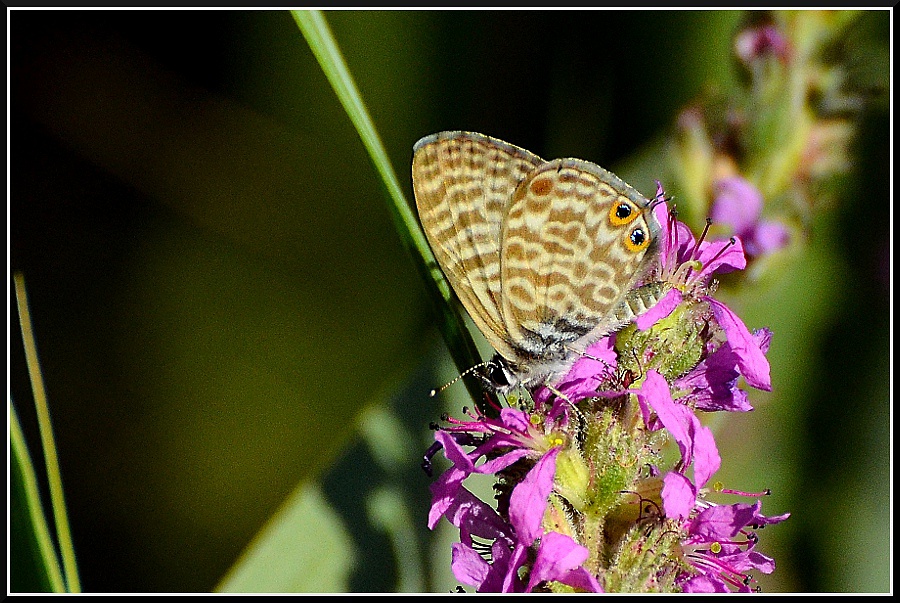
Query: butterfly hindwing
{"type": "Point", "coordinates": [566, 258]}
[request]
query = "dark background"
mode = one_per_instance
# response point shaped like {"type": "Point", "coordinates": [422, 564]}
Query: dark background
{"type": "Point", "coordinates": [217, 288]}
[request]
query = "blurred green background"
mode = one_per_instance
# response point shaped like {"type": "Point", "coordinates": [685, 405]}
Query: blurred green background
{"type": "Point", "coordinates": [230, 328]}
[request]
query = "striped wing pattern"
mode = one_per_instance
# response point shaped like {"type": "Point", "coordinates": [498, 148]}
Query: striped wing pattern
{"type": "Point", "coordinates": [535, 250]}
{"type": "Point", "coordinates": [565, 265]}
{"type": "Point", "coordinates": [463, 184]}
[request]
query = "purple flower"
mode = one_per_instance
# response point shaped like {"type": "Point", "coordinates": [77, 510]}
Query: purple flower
{"type": "Point", "coordinates": [749, 355]}
{"type": "Point", "coordinates": [695, 441]}
{"type": "Point", "coordinates": [712, 384]}
{"type": "Point", "coordinates": [474, 517]}
{"type": "Point", "coordinates": [595, 367]}
{"type": "Point", "coordinates": [591, 467]}
{"type": "Point", "coordinates": [514, 436]}
{"type": "Point", "coordinates": [721, 562]}
{"type": "Point", "coordinates": [511, 539]}
{"type": "Point", "coordinates": [689, 264]}
{"type": "Point", "coordinates": [663, 308]}
{"type": "Point", "coordinates": [739, 204]}
{"type": "Point", "coordinates": [760, 42]}
{"type": "Point", "coordinates": [678, 495]}
{"type": "Point", "coordinates": [720, 547]}
{"type": "Point", "coordinates": [558, 558]}
{"type": "Point", "coordinates": [503, 442]}
{"type": "Point", "coordinates": [685, 263]}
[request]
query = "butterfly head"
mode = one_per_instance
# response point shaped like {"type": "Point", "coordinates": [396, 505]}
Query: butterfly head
{"type": "Point", "coordinates": [500, 375]}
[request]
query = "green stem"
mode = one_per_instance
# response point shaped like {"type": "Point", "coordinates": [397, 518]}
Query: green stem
{"type": "Point", "coordinates": [54, 477]}
{"type": "Point", "coordinates": [592, 538]}
{"type": "Point", "coordinates": [315, 29]}
{"type": "Point", "coordinates": [451, 324]}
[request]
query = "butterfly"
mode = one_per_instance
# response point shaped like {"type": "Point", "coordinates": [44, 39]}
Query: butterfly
{"type": "Point", "coordinates": [543, 255]}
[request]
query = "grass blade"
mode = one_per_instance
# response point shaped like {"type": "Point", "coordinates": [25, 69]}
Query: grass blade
{"type": "Point", "coordinates": [451, 324]}
{"type": "Point", "coordinates": [33, 560]}
{"type": "Point", "coordinates": [49, 447]}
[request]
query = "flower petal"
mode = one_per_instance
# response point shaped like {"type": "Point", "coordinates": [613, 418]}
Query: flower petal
{"type": "Point", "coordinates": [721, 256]}
{"type": "Point", "coordinates": [676, 418]}
{"type": "Point", "coordinates": [678, 495]}
{"type": "Point", "coordinates": [454, 452]}
{"type": "Point", "coordinates": [721, 522]}
{"type": "Point", "coordinates": [511, 581]}
{"type": "Point", "coordinates": [444, 491]}
{"type": "Point", "coordinates": [559, 558]}
{"type": "Point", "coordinates": [662, 309]}
{"type": "Point", "coordinates": [474, 517]}
{"type": "Point", "coordinates": [704, 583]}
{"type": "Point", "coordinates": [706, 455]}
{"type": "Point", "coordinates": [528, 500]}
{"type": "Point", "coordinates": [557, 554]}
{"type": "Point", "coordinates": [468, 566]}
{"type": "Point", "coordinates": [712, 384]}
{"type": "Point", "coordinates": [750, 359]}
{"type": "Point", "coordinates": [737, 203]}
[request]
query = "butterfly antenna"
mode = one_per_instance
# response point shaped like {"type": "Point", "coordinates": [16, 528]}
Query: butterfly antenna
{"type": "Point", "coordinates": [469, 370]}
{"type": "Point", "coordinates": [661, 196]}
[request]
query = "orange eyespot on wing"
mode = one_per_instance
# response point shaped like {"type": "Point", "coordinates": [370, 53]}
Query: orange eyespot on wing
{"type": "Point", "coordinates": [622, 213]}
{"type": "Point", "coordinates": [638, 240]}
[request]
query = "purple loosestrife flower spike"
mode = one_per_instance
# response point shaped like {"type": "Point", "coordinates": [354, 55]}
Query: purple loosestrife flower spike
{"type": "Point", "coordinates": [583, 499]}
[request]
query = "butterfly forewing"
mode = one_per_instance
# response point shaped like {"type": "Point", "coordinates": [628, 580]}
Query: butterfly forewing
{"type": "Point", "coordinates": [463, 184]}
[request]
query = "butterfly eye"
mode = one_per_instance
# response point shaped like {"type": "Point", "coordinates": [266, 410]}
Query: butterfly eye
{"type": "Point", "coordinates": [621, 214]}
{"type": "Point", "coordinates": [498, 375]}
{"type": "Point", "coordinates": [637, 240]}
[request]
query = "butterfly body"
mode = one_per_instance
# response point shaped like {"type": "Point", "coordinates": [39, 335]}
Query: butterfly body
{"type": "Point", "coordinates": [542, 254]}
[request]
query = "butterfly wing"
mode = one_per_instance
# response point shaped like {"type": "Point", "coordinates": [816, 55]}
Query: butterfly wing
{"type": "Point", "coordinates": [574, 244]}
{"type": "Point", "coordinates": [463, 184]}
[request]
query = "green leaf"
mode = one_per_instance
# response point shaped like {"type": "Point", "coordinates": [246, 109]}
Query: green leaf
{"type": "Point", "coordinates": [304, 548]}
{"type": "Point", "coordinates": [34, 566]}
{"type": "Point", "coordinates": [359, 528]}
